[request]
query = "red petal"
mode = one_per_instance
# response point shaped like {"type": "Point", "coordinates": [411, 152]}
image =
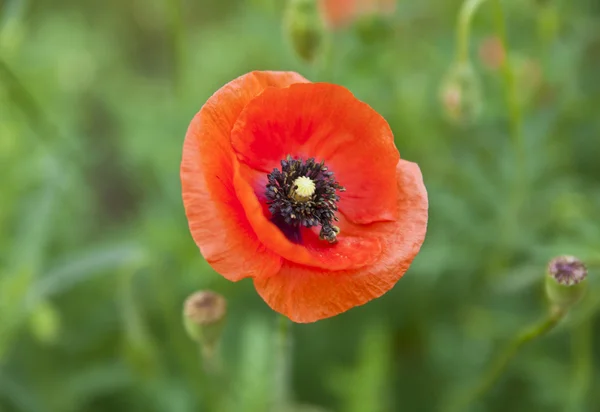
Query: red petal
{"type": "Point", "coordinates": [307, 294]}
{"type": "Point", "coordinates": [339, 13]}
{"type": "Point", "coordinates": [215, 216]}
{"type": "Point", "coordinates": [327, 122]}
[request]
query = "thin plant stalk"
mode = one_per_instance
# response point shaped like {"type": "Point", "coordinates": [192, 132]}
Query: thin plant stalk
{"type": "Point", "coordinates": [27, 103]}
{"type": "Point", "coordinates": [503, 359]}
{"type": "Point", "coordinates": [511, 92]}
{"type": "Point", "coordinates": [214, 375]}
{"type": "Point", "coordinates": [463, 28]}
{"type": "Point", "coordinates": [519, 185]}
{"type": "Point", "coordinates": [211, 360]}
{"type": "Point", "coordinates": [46, 131]}
{"type": "Point", "coordinates": [282, 373]}
{"type": "Point", "coordinates": [177, 26]}
{"type": "Point", "coordinates": [581, 344]}
{"type": "Point", "coordinates": [463, 34]}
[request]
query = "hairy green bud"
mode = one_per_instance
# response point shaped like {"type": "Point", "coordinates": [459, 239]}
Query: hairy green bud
{"type": "Point", "coordinates": [460, 94]}
{"type": "Point", "coordinates": [305, 28]}
{"type": "Point", "coordinates": [203, 317]}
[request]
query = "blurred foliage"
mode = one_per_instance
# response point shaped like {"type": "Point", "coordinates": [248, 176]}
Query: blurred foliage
{"type": "Point", "coordinates": [95, 255]}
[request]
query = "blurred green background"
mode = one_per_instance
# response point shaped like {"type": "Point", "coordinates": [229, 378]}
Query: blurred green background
{"type": "Point", "coordinates": [96, 257]}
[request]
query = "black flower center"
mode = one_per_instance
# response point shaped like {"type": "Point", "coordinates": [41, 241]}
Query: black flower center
{"type": "Point", "coordinates": [303, 193]}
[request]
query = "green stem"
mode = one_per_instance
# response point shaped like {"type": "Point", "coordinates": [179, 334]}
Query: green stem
{"type": "Point", "coordinates": [282, 365]}
{"type": "Point", "coordinates": [463, 28]}
{"type": "Point", "coordinates": [511, 93]}
{"type": "Point", "coordinates": [37, 118]}
{"type": "Point", "coordinates": [27, 103]}
{"type": "Point", "coordinates": [583, 361]}
{"type": "Point", "coordinates": [497, 367]}
{"type": "Point", "coordinates": [215, 382]}
{"type": "Point", "coordinates": [519, 185]}
{"type": "Point", "coordinates": [211, 359]}
{"type": "Point", "coordinates": [178, 39]}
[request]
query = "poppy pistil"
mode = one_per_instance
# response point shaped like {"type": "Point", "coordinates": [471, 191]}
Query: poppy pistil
{"type": "Point", "coordinates": [303, 188]}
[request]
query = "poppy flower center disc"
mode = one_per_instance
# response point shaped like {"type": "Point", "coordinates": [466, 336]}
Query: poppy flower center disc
{"type": "Point", "coordinates": [303, 193]}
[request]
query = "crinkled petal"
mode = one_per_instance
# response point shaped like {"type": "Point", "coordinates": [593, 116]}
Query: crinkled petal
{"type": "Point", "coordinates": [307, 294]}
{"type": "Point", "coordinates": [327, 122]}
{"type": "Point", "coordinates": [216, 218]}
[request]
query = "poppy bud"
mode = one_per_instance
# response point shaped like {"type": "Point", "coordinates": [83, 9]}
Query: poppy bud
{"type": "Point", "coordinates": [460, 94]}
{"type": "Point", "coordinates": [566, 281]}
{"type": "Point", "coordinates": [203, 316]}
{"type": "Point", "coordinates": [305, 28]}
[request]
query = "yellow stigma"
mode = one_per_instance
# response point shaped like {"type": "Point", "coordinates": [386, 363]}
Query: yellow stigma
{"type": "Point", "coordinates": [305, 188]}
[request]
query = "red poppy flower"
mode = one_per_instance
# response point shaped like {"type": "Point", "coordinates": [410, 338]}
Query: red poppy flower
{"type": "Point", "coordinates": [338, 13]}
{"type": "Point", "coordinates": [300, 187]}
{"type": "Point", "coordinates": [491, 52]}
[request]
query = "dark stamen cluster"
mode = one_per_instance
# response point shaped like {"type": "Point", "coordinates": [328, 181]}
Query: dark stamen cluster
{"type": "Point", "coordinates": [319, 209]}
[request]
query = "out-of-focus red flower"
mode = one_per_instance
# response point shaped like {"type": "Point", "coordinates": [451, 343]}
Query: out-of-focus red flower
{"type": "Point", "coordinates": [338, 13]}
{"type": "Point", "coordinates": [299, 186]}
{"type": "Point", "coordinates": [491, 53]}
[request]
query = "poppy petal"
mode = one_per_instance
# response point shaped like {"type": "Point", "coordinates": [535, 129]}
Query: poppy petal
{"type": "Point", "coordinates": [339, 13]}
{"type": "Point", "coordinates": [349, 252]}
{"type": "Point", "coordinates": [327, 122]}
{"type": "Point", "coordinates": [216, 218]}
{"type": "Point", "coordinates": [306, 295]}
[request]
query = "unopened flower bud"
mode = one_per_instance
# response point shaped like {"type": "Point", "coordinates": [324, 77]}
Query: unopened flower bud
{"type": "Point", "coordinates": [305, 28]}
{"type": "Point", "coordinates": [203, 316]}
{"type": "Point", "coordinates": [566, 281]}
{"type": "Point", "coordinates": [460, 94]}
